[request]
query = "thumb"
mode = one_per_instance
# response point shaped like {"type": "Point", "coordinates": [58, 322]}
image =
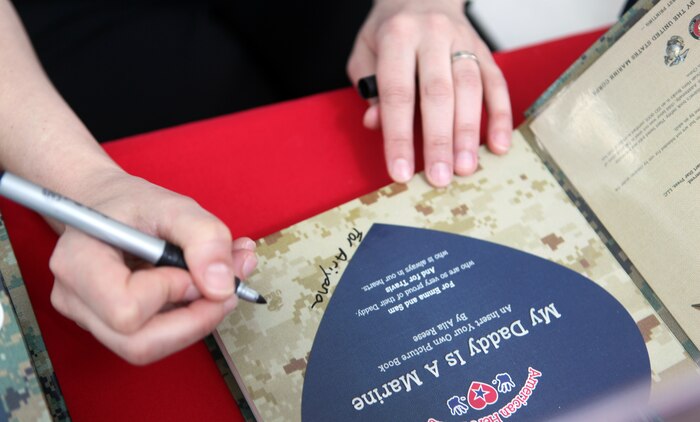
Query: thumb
{"type": "Point", "coordinates": [207, 245]}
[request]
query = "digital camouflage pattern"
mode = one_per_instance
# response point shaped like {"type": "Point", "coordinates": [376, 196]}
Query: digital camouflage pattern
{"type": "Point", "coordinates": [511, 200]}
{"type": "Point", "coordinates": [21, 398]}
{"type": "Point", "coordinates": [28, 387]}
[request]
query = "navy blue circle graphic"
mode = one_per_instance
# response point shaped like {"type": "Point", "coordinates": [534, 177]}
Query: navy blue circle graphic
{"type": "Point", "coordinates": [431, 326]}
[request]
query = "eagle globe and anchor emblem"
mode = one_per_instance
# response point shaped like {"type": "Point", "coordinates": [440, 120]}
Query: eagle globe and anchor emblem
{"type": "Point", "coordinates": [676, 52]}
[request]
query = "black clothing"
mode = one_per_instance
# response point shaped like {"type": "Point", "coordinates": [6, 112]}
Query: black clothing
{"type": "Point", "coordinates": [131, 66]}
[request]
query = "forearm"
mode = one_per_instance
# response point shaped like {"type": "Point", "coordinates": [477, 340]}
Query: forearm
{"type": "Point", "coordinates": [41, 138]}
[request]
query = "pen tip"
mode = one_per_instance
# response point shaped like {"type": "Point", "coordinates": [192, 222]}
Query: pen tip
{"type": "Point", "coordinates": [261, 300]}
{"type": "Point", "coordinates": [696, 306]}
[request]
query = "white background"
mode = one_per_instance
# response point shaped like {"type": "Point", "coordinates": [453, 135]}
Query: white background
{"type": "Point", "coordinates": [516, 23]}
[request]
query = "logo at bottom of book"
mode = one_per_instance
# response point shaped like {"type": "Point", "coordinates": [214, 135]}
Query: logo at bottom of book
{"type": "Point", "coordinates": [481, 395]}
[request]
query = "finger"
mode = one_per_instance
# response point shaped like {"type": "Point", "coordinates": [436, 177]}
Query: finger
{"type": "Point", "coordinates": [172, 331]}
{"type": "Point", "coordinates": [497, 98]}
{"type": "Point", "coordinates": [371, 119]}
{"type": "Point", "coordinates": [167, 332]}
{"type": "Point", "coordinates": [192, 293]}
{"type": "Point", "coordinates": [162, 335]}
{"type": "Point", "coordinates": [437, 109]}
{"type": "Point", "coordinates": [362, 62]}
{"type": "Point", "coordinates": [468, 103]}
{"type": "Point", "coordinates": [244, 259]}
{"type": "Point", "coordinates": [207, 245]}
{"type": "Point", "coordinates": [243, 251]}
{"type": "Point", "coordinates": [97, 274]}
{"type": "Point", "coordinates": [121, 319]}
{"type": "Point", "coordinates": [59, 300]}
{"type": "Point", "coordinates": [244, 243]}
{"type": "Point", "coordinates": [396, 66]}
{"type": "Point", "coordinates": [245, 262]}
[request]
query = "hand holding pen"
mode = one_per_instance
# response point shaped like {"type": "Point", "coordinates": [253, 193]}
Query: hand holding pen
{"type": "Point", "coordinates": [124, 308]}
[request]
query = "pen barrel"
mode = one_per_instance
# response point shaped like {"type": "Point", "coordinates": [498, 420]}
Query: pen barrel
{"type": "Point", "coordinates": [87, 220]}
{"type": "Point", "coordinates": [172, 256]}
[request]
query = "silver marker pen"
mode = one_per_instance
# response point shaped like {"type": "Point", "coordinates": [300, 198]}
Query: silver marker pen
{"type": "Point", "coordinates": [152, 249]}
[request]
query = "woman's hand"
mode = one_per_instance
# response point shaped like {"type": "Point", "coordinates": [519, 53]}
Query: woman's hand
{"type": "Point", "coordinates": [140, 312]}
{"type": "Point", "coordinates": [404, 38]}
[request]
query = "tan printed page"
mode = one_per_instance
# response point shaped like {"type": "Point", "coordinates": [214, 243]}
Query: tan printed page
{"type": "Point", "coordinates": [336, 280]}
{"type": "Point", "coordinates": [627, 135]}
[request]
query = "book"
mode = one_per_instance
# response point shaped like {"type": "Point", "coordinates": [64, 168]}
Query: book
{"type": "Point", "coordinates": [29, 389]}
{"type": "Point", "coordinates": [554, 276]}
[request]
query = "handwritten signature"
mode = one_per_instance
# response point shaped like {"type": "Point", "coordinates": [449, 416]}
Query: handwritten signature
{"type": "Point", "coordinates": [353, 239]}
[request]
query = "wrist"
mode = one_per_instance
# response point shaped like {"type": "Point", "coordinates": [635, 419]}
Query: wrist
{"type": "Point", "coordinates": [70, 173]}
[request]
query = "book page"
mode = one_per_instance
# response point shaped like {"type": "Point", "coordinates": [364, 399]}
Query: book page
{"type": "Point", "coordinates": [311, 276]}
{"type": "Point", "coordinates": [626, 134]}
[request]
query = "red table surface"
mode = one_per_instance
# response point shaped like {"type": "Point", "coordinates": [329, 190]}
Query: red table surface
{"type": "Point", "coordinates": [259, 171]}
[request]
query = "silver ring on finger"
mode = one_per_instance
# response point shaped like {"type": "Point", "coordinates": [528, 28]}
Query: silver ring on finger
{"type": "Point", "coordinates": [463, 54]}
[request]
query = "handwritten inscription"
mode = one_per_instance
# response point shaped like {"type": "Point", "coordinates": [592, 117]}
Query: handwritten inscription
{"type": "Point", "coordinates": [333, 269]}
